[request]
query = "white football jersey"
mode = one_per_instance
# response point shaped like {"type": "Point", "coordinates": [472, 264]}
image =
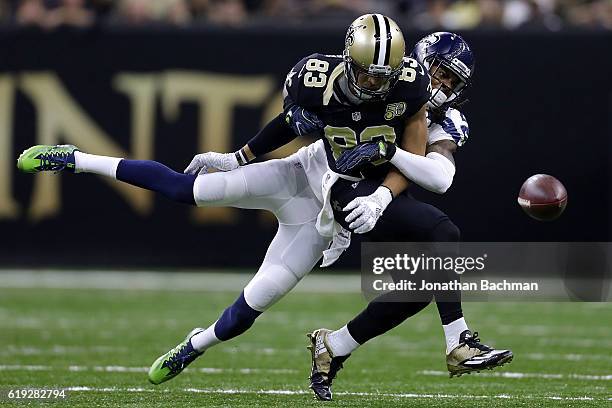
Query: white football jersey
{"type": "Point", "coordinates": [454, 127]}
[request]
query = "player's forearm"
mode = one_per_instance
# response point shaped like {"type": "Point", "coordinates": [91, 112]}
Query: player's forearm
{"type": "Point", "coordinates": [415, 140]}
{"type": "Point", "coordinates": [396, 182]}
{"type": "Point", "coordinates": [433, 172]}
{"type": "Point", "coordinates": [274, 135]}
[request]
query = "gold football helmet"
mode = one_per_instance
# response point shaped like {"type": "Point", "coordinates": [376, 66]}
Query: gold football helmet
{"type": "Point", "coordinates": [373, 56]}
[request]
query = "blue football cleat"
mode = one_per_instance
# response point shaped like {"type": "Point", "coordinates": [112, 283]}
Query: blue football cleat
{"type": "Point", "coordinates": [174, 361]}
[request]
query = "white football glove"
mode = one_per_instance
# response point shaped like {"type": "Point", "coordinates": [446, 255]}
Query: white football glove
{"type": "Point", "coordinates": [220, 161]}
{"type": "Point", "coordinates": [367, 210]}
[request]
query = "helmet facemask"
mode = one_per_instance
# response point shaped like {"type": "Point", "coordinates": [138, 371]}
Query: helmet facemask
{"type": "Point", "coordinates": [380, 77]}
{"type": "Point", "coordinates": [445, 95]}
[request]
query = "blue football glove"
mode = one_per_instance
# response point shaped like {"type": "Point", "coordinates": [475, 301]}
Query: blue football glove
{"type": "Point", "coordinates": [354, 159]}
{"type": "Point", "coordinates": [303, 122]}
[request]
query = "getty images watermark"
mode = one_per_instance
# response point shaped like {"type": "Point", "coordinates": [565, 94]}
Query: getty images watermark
{"type": "Point", "coordinates": [486, 271]}
{"type": "Point", "coordinates": [428, 264]}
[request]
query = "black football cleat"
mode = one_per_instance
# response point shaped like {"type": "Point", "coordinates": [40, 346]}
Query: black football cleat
{"type": "Point", "coordinates": [324, 367]}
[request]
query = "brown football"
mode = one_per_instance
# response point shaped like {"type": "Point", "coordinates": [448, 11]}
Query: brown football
{"type": "Point", "coordinates": [543, 197]}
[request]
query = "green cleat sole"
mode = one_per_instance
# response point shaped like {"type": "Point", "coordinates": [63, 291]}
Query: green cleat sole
{"type": "Point", "coordinates": [46, 158]}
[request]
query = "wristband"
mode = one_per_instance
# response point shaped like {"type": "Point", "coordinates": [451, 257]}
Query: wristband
{"type": "Point", "coordinates": [387, 150]}
{"type": "Point", "coordinates": [242, 157]}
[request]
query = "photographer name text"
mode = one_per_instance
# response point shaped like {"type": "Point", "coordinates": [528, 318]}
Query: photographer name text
{"type": "Point", "coordinates": [483, 285]}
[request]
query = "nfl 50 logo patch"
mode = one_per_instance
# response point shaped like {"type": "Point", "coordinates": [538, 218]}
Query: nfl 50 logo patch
{"type": "Point", "coordinates": [395, 110]}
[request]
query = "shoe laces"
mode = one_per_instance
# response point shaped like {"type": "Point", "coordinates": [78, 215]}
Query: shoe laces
{"type": "Point", "coordinates": [177, 358]}
{"type": "Point", "coordinates": [53, 160]}
{"type": "Point", "coordinates": [474, 342]}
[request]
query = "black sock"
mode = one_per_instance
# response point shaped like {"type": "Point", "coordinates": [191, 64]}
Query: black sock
{"type": "Point", "coordinates": [380, 316]}
{"type": "Point", "coordinates": [155, 176]}
{"type": "Point", "coordinates": [449, 311]}
{"type": "Point", "coordinates": [448, 302]}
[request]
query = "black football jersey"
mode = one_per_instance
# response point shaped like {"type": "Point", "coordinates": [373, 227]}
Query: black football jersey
{"type": "Point", "coordinates": [313, 84]}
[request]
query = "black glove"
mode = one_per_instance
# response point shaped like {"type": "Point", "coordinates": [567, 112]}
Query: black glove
{"type": "Point", "coordinates": [302, 121]}
{"type": "Point", "coordinates": [354, 159]}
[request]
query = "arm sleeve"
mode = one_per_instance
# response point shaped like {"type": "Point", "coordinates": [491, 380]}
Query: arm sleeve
{"type": "Point", "coordinates": [453, 126]}
{"type": "Point", "coordinates": [274, 135]}
{"type": "Point", "coordinates": [433, 172]}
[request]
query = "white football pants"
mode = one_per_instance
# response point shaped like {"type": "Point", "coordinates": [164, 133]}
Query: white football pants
{"type": "Point", "coordinates": [281, 187]}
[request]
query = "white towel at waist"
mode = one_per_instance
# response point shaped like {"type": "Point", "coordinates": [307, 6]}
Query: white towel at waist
{"type": "Point", "coordinates": [327, 225]}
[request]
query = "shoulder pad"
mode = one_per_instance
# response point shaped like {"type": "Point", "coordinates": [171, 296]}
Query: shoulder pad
{"type": "Point", "coordinates": [308, 80]}
{"type": "Point", "coordinates": [453, 127]}
{"type": "Point", "coordinates": [413, 86]}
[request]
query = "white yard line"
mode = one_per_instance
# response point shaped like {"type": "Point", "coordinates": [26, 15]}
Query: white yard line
{"type": "Point", "coordinates": [123, 369]}
{"type": "Point", "coordinates": [359, 394]}
{"type": "Point", "coordinates": [215, 370]}
{"type": "Point", "coordinates": [174, 281]}
{"type": "Point", "coordinates": [577, 358]}
{"type": "Point", "coordinates": [57, 349]}
{"type": "Point", "coordinates": [598, 334]}
{"type": "Point", "coordinates": [566, 357]}
{"type": "Point", "coordinates": [575, 342]}
{"type": "Point", "coordinates": [19, 367]}
{"type": "Point", "coordinates": [506, 374]}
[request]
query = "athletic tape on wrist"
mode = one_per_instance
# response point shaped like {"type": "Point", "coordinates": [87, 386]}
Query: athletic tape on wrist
{"type": "Point", "coordinates": [241, 156]}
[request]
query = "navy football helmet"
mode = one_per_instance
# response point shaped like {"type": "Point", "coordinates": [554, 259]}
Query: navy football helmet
{"type": "Point", "coordinates": [450, 51]}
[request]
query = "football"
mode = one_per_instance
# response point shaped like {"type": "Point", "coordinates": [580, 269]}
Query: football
{"type": "Point", "coordinates": [543, 197]}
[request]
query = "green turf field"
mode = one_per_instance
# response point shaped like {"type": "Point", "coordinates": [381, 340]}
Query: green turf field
{"type": "Point", "coordinates": [99, 343]}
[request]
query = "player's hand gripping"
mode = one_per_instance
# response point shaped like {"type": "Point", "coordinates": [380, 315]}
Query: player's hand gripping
{"type": "Point", "coordinates": [220, 161]}
{"type": "Point", "coordinates": [367, 210]}
{"type": "Point", "coordinates": [302, 121]}
{"type": "Point", "coordinates": [354, 159]}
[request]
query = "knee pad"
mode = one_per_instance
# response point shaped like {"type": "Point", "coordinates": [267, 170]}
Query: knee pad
{"type": "Point", "coordinates": [220, 188]}
{"type": "Point", "coordinates": [271, 283]}
{"type": "Point", "coordinates": [445, 231]}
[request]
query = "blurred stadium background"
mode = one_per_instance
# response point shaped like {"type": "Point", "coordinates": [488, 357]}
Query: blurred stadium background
{"type": "Point", "coordinates": [165, 79]}
{"type": "Point", "coordinates": [551, 15]}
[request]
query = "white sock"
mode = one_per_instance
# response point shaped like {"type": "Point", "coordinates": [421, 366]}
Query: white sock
{"type": "Point", "coordinates": [452, 331]}
{"type": "Point", "coordinates": [91, 163]}
{"type": "Point", "coordinates": [205, 339]}
{"type": "Point", "coordinates": [341, 343]}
